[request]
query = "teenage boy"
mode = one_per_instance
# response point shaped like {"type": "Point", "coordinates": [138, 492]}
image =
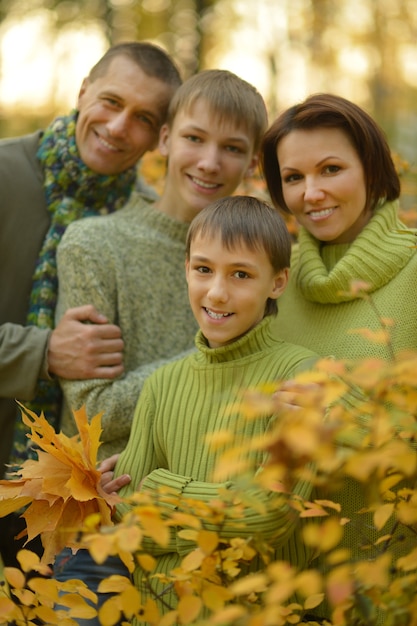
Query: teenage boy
{"type": "Point", "coordinates": [129, 265]}
{"type": "Point", "coordinates": [237, 259]}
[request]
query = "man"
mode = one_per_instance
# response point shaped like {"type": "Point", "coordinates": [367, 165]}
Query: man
{"type": "Point", "coordinates": [83, 164]}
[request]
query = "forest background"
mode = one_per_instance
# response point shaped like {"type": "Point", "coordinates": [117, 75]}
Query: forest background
{"type": "Point", "coordinates": [365, 50]}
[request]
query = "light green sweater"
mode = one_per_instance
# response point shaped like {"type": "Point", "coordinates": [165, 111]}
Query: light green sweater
{"type": "Point", "coordinates": [130, 265]}
{"type": "Point", "coordinates": [183, 402]}
{"type": "Point", "coordinates": [317, 312]}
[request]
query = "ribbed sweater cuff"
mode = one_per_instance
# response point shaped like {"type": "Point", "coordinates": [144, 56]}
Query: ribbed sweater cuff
{"type": "Point", "coordinates": [164, 478]}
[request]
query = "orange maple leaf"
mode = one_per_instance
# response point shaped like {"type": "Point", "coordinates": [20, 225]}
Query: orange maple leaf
{"type": "Point", "coordinates": [62, 487]}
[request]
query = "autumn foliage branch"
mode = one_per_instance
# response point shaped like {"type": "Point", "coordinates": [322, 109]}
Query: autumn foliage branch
{"type": "Point", "coordinates": [358, 426]}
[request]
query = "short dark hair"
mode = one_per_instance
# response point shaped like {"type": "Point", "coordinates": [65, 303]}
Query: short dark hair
{"type": "Point", "coordinates": [331, 111]}
{"type": "Point", "coordinates": [229, 98]}
{"type": "Point", "coordinates": [247, 220]}
{"type": "Point", "coordinates": [152, 59]}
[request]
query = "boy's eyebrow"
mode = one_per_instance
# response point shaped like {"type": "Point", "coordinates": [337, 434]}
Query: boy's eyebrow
{"type": "Point", "coordinates": [203, 259]}
{"type": "Point", "coordinates": [238, 138]}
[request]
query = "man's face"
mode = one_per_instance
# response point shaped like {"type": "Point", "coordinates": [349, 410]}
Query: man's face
{"type": "Point", "coordinates": [120, 115]}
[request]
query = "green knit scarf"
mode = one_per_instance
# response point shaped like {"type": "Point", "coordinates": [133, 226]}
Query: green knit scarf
{"type": "Point", "coordinates": [72, 192]}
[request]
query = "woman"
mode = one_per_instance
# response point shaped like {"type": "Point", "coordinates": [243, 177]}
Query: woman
{"type": "Point", "coordinates": [327, 163]}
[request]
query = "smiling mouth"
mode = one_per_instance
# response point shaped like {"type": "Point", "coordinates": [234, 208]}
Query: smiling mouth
{"type": "Point", "coordinates": [320, 213]}
{"type": "Point", "coordinates": [106, 144]}
{"type": "Point", "coordinates": [204, 184]}
{"type": "Point", "coordinates": [216, 316]}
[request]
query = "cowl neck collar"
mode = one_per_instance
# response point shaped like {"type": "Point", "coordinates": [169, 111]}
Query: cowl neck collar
{"type": "Point", "coordinates": [324, 274]}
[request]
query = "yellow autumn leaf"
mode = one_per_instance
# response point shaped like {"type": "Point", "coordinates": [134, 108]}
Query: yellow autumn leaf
{"type": "Point", "coordinates": [14, 577]}
{"type": "Point", "coordinates": [169, 619]}
{"type": "Point", "coordinates": [45, 588]}
{"type": "Point", "coordinates": [188, 609]}
{"type": "Point", "coordinates": [375, 573]}
{"type": "Point", "coordinates": [340, 555]}
{"type": "Point", "coordinates": [130, 601]}
{"type": "Point", "coordinates": [62, 487]}
{"type": "Point", "coordinates": [208, 541]}
{"type": "Point", "coordinates": [340, 584]}
{"type": "Point", "coordinates": [10, 504]}
{"type": "Point", "coordinates": [130, 538]}
{"type": "Point", "coordinates": [382, 515]}
{"type": "Point", "coordinates": [114, 584]}
{"type": "Point", "coordinates": [100, 547]}
{"type": "Point", "coordinates": [309, 582]}
{"type": "Point", "coordinates": [313, 601]}
{"type": "Point", "coordinates": [330, 504]}
{"type": "Point", "coordinates": [30, 562]}
{"type": "Point", "coordinates": [253, 583]}
{"type": "Point", "coordinates": [78, 606]}
{"type": "Point", "coordinates": [150, 612]}
{"type": "Point", "coordinates": [109, 613]}
{"type": "Point", "coordinates": [215, 597]}
{"type": "Point", "coordinates": [47, 615]}
{"type": "Point", "coordinates": [153, 525]}
{"type": "Point", "coordinates": [185, 519]}
{"type": "Point", "coordinates": [390, 481]}
{"type": "Point", "coordinates": [407, 513]}
{"type": "Point", "coordinates": [375, 336]}
{"type": "Point", "coordinates": [192, 561]}
{"type": "Point", "coordinates": [188, 534]}
{"type": "Point", "coordinates": [324, 536]}
{"type": "Point", "coordinates": [78, 588]}
{"type": "Point", "coordinates": [408, 563]}
{"type": "Point", "coordinates": [229, 615]}
{"type": "Point", "coordinates": [147, 562]}
{"type": "Point", "coordinates": [8, 610]}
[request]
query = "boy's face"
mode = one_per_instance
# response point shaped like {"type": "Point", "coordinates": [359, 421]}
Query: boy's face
{"type": "Point", "coordinates": [206, 160]}
{"type": "Point", "coordinates": [120, 115]}
{"type": "Point", "coordinates": [228, 289]}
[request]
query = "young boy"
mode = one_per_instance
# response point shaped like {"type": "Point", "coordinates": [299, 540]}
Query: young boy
{"type": "Point", "coordinates": [237, 259]}
{"type": "Point", "coordinates": [130, 265]}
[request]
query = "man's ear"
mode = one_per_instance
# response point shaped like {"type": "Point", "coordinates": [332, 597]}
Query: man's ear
{"type": "Point", "coordinates": [163, 143]}
{"type": "Point", "coordinates": [187, 268]}
{"type": "Point", "coordinates": [252, 167]}
{"type": "Point", "coordinates": [280, 283]}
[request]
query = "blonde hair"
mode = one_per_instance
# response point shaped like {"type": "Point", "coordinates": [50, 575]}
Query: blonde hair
{"type": "Point", "coordinates": [229, 98]}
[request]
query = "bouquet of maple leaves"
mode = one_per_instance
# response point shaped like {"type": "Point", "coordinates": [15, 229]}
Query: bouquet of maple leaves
{"type": "Point", "coordinates": [61, 489]}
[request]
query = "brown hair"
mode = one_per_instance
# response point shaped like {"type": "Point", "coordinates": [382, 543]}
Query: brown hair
{"type": "Point", "coordinates": [331, 111]}
{"type": "Point", "coordinates": [228, 97]}
{"type": "Point", "coordinates": [151, 59]}
{"type": "Point", "coordinates": [247, 220]}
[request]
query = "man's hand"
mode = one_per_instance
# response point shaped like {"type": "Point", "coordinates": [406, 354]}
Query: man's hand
{"type": "Point", "coordinates": [110, 484]}
{"type": "Point", "coordinates": [80, 351]}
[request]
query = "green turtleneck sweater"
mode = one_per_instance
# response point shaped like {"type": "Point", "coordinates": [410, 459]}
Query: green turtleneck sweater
{"type": "Point", "coordinates": [317, 310]}
{"type": "Point", "coordinates": [183, 402]}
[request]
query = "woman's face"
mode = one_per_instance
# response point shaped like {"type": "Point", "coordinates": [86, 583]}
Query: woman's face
{"type": "Point", "coordinates": [323, 183]}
